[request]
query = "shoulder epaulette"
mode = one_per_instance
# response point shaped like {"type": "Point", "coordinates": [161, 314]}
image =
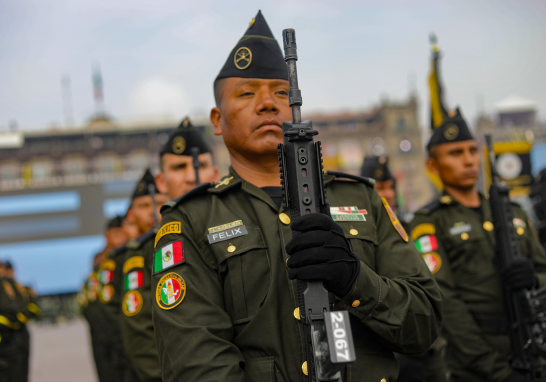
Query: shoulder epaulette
{"type": "Point", "coordinates": [361, 179]}
{"type": "Point", "coordinates": [429, 208]}
{"type": "Point", "coordinates": [139, 241]}
{"type": "Point", "coordinates": [118, 250]}
{"type": "Point", "coordinates": [196, 191]}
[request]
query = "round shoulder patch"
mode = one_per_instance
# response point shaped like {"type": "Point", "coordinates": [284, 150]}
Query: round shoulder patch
{"type": "Point", "coordinates": [433, 261]}
{"type": "Point", "coordinates": [170, 291]}
{"type": "Point", "coordinates": [106, 293]}
{"type": "Point", "coordinates": [132, 303]}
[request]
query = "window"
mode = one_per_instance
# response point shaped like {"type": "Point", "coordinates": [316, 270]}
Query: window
{"type": "Point", "coordinates": [74, 165]}
{"type": "Point", "coordinates": [10, 170]}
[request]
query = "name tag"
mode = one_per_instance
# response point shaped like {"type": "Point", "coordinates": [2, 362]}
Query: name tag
{"type": "Point", "coordinates": [227, 234]}
{"type": "Point", "coordinates": [457, 230]}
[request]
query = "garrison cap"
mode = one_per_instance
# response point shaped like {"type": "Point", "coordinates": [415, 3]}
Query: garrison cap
{"type": "Point", "coordinates": [256, 55]}
{"type": "Point", "coordinates": [115, 222]}
{"type": "Point", "coordinates": [452, 129]}
{"type": "Point", "coordinates": [183, 138]}
{"type": "Point", "coordinates": [7, 265]}
{"type": "Point", "coordinates": [142, 187]}
{"type": "Point", "coordinates": [376, 168]}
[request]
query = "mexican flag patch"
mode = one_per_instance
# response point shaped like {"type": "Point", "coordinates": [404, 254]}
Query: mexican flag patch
{"type": "Point", "coordinates": [106, 276]}
{"type": "Point", "coordinates": [169, 256]}
{"type": "Point", "coordinates": [134, 280]}
{"type": "Point", "coordinates": [427, 244]}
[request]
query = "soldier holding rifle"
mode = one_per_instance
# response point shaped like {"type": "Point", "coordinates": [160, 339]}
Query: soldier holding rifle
{"type": "Point", "coordinates": [455, 235]}
{"type": "Point", "coordinates": [226, 272]}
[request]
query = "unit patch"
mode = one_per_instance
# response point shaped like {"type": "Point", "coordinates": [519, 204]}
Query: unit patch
{"type": "Point", "coordinates": [170, 291]}
{"type": "Point", "coordinates": [423, 229]}
{"type": "Point", "coordinates": [134, 280]}
{"type": "Point", "coordinates": [426, 243]}
{"type": "Point", "coordinates": [223, 227]}
{"type": "Point", "coordinates": [9, 289]}
{"type": "Point", "coordinates": [433, 261]}
{"type": "Point", "coordinates": [132, 303]}
{"type": "Point", "coordinates": [106, 293]}
{"type": "Point", "coordinates": [348, 214]}
{"type": "Point", "coordinates": [106, 276]}
{"type": "Point", "coordinates": [394, 220]}
{"type": "Point", "coordinates": [172, 227]}
{"type": "Point", "coordinates": [132, 263]}
{"type": "Point", "coordinates": [169, 256]}
{"type": "Point", "coordinates": [227, 234]}
{"type": "Point", "coordinates": [459, 228]}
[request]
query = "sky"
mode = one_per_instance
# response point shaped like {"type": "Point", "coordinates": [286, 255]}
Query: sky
{"type": "Point", "coordinates": [159, 58]}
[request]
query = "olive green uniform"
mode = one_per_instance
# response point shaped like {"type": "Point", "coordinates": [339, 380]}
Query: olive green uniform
{"type": "Point", "coordinates": [109, 312]}
{"type": "Point", "coordinates": [10, 335]}
{"type": "Point", "coordinates": [237, 322]}
{"type": "Point", "coordinates": [137, 328]}
{"type": "Point", "coordinates": [463, 264]}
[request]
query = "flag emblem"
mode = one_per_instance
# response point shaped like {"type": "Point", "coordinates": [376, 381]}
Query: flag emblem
{"type": "Point", "coordinates": [427, 244]}
{"type": "Point", "coordinates": [433, 261]}
{"type": "Point", "coordinates": [132, 303]}
{"type": "Point", "coordinates": [106, 293]}
{"type": "Point", "coordinates": [169, 256]}
{"type": "Point", "coordinates": [394, 220]}
{"type": "Point", "coordinates": [170, 291]}
{"type": "Point", "coordinates": [134, 280]}
{"type": "Point", "coordinates": [348, 214]}
{"type": "Point", "coordinates": [106, 276]}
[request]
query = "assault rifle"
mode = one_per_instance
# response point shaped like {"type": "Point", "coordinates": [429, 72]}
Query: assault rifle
{"type": "Point", "coordinates": [328, 337]}
{"type": "Point", "coordinates": [525, 309]}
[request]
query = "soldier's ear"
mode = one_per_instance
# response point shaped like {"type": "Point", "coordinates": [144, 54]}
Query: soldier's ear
{"type": "Point", "coordinates": [160, 183]}
{"type": "Point", "coordinates": [215, 119]}
{"type": "Point", "coordinates": [432, 166]}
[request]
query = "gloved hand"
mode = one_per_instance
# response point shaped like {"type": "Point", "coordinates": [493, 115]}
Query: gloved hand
{"type": "Point", "coordinates": [320, 251]}
{"type": "Point", "coordinates": [516, 377]}
{"type": "Point", "coordinates": [520, 274]}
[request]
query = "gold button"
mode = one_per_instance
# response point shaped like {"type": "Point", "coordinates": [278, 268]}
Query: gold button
{"type": "Point", "coordinates": [383, 380]}
{"type": "Point", "coordinates": [297, 313]}
{"type": "Point", "coordinates": [231, 248]}
{"type": "Point", "coordinates": [355, 303]}
{"type": "Point", "coordinates": [353, 232]}
{"type": "Point", "coordinates": [520, 231]}
{"type": "Point", "coordinates": [446, 199]}
{"type": "Point", "coordinates": [284, 218]}
{"type": "Point", "coordinates": [488, 226]}
{"type": "Point", "coordinates": [464, 236]}
{"type": "Point", "coordinates": [304, 368]}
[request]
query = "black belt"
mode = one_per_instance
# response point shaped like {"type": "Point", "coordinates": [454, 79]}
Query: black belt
{"type": "Point", "coordinates": [492, 324]}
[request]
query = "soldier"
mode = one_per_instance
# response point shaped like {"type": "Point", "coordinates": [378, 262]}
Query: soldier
{"type": "Point", "coordinates": [429, 366]}
{"type": "Point", "coordinates": [455, 237]}
{"type": "Point", "coordinates": [177, 177]}
{"type": "Point", "coordinates": [225, 303]}
{"type": "Point", "coordinates": [110, 275]}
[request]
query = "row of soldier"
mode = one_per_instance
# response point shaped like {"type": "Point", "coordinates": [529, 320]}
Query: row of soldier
{"type": "Point", "coordinates": [18, 304]}
{"type": "Point", "coordinates": [209, 293]}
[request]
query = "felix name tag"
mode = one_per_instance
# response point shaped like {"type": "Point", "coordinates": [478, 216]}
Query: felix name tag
{"type": "Point", "coordinates": [227, 234]}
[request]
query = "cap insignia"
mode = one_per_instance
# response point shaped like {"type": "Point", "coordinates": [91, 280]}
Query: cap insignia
{"type": "Point", "coordinates": [378, 173]}
{"type": "Point", "coordinates": [251, 22]}
{"type": "Point", "coordinates": [243, 58]}
{"type": "Point", "coordinates": [179, 145]}
{"type": "Point", "coordinates": [451, 132]}
{"type": "Point", "coordinates": [141, 186]}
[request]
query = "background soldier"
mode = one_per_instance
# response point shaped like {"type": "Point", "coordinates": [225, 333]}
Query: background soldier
{"type": "Point", "coordinates": [455, 236]}
{"type": "Point", "coordinates": [377, 168]}
{"type": "Point", "coordinates": [110, 274]}
{"type": "Point", "coordinates": [225, 305]}
{"type": "Point", "coordinates": [177, 177]}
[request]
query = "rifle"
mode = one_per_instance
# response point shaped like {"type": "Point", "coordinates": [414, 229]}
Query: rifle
{"type": "Point", "coordinates": [526, 309]}
{"type": "Point", "coordinates": [196, 164]}
{"type": "Point", "coordinates": [328, 337]}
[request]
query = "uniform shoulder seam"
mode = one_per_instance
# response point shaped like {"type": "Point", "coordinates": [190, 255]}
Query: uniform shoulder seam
{"type": "Point", "coordinates": [429, 208]}
{"type": "Point", "coordinates": [196, 191]}
{"type": "Point", "coordinates": [361, 179]}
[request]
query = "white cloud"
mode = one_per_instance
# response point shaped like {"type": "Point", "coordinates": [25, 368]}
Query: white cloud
{"type": "Point", "coordinates": [156, 97]}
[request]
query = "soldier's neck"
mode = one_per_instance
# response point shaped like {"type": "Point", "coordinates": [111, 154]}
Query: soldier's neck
{"type": "Point", "coordinates": [259, 173]}
{"type": "Point", "coordinates": [468, 197]}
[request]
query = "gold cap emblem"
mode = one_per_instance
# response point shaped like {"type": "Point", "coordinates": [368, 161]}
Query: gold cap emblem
{"type": "Point", "coordinates": [243, 58]}
{"type": "Point", "coordinates": [141, 186]}
{"type": "Point", "coordinates": [451, 131]}
{"type": "Point", "coordinates": [179, 145]}
{"type": "Point", "coordinates": [252, 22]}
{"type": "Point", "coordinates": [446, 199]}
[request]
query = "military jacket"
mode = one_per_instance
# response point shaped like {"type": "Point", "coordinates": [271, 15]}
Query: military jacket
{"type": "Point", "coordinates": [137, 328]}
{"type": "Point", "coordinates": [226, 310]}
{"type": "Point", "coordinates": [458, 246]}
{"type": "Point", "coordinates": [21, 301]}
{"type": "Point", "coordinates": [9, 309]}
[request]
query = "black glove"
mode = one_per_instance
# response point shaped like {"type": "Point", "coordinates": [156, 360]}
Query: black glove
{"type": "Point", "coordinates": [516, 377]}
{"type": "Point", "coordinates": [320, 252]}
{"type": "Point", "coordinates": [520, 274]}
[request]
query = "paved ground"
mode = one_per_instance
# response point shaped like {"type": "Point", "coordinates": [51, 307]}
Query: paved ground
{"type": "Point", "coordinates": [61, 353]}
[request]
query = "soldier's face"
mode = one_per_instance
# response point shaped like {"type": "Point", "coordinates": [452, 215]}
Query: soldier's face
{"type": "Point", "coordinates": [143, 211]}
{"type": "Point", "coordinates": [177, 174]}
{"type": "Point", "coordinates": [115, 237]}
{"type": "Point", "coordinates": [386, 190]}
{"type": "Point", "coordinates": [457, 164]}
{"type": "Point", "coordinates": [251, 114]}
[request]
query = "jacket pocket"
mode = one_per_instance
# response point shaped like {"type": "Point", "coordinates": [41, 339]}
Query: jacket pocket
{"type": "Point", "coordinates": [362, 238]}
{"type": "Point", "coordinates": [260, 369]}
{"type": "Point", "coordinates": [244, 269]}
